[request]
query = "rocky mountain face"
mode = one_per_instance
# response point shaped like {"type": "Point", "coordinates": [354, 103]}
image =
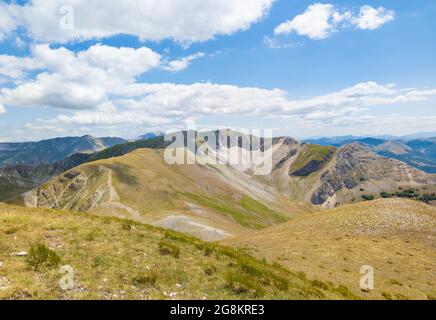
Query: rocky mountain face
{"type": "Point", "coordinates": [354, 168]}
{"type": "Point", "coordinates": [51, 151]}
{"type": "Point", "coordinates": [418, 153]}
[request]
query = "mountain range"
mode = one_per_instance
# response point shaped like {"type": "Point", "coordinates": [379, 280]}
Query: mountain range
{"type": "Point", "coordinates": [52, 150]}
{"type": "Point", "coordinates": [132, 180]}
{"type": "Point", "coordinates": [318, 204]}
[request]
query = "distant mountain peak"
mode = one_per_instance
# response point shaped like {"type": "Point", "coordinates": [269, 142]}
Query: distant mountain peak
{"type": "Point", "coordinates": [151, 135]}
{"type": "Point", "coordinates": [52, 150]}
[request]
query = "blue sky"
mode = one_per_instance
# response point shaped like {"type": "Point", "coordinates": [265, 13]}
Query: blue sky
{"type": "Point", "coordinates": [302, 68]}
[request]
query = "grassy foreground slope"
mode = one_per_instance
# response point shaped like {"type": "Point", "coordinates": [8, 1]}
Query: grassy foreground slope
{"type": "Point", "coordinates": [396, 237]}
{"type": "Point", "coordinates": [120, 259]}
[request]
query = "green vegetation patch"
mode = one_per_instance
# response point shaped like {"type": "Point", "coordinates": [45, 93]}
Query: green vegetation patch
{"type": "Point", "coordinates": [368, 197]}
{"type": "Point", "coordinates": [146, 278]}
{"type": "Point", "coordinates": [123, 175]}
{"type": "Point", "coordinates": [167, 248]}
{"type": "Point", "coordinates": [247, 212]}
{"type": "Point", "coordinates": [313, 156]}
{"type": "Point", "coordinates": [122, 149]}
{"type": "Point", "coordinates": [40, 257]}
{"type": "Point", "coordinates": [410, 194]}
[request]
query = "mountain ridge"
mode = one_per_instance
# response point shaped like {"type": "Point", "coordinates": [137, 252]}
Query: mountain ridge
{"type": "Point", "coordinates": [52, 150]}
{"type": "Point", "coordinates": [418, 152]}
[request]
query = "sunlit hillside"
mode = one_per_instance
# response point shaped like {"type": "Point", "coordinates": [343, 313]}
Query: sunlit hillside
{"type": "Point", "coordinates": [396, 237]}
{"type": "Point", "coordinates": [120, 259]}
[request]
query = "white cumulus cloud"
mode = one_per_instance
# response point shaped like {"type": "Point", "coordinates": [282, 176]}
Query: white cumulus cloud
{"type": "Point", "coordinates": [167, 103]}
{"type": "Point", "coordinates": [315, 22]}
{"type": "Point", "coordinates": [371, 18]}
{"type": "Point", "coordinates": [78, 80]}
{"type": "Point", "coordinates": [8, 21]}
{"type": "Point", "coordinates": [183, 63]}
{"type": "Point", "coordinates": [180, 20]}
{"type": "Point", "coordinates": [320, 20]}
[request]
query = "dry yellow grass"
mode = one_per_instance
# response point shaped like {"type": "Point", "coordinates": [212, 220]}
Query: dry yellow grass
{"type": "Point", "coordinates": [396, 237]}
{"type": "Point", "coordinates": [120, 259]}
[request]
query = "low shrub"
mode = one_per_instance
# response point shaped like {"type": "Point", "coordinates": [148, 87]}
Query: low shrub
{"type": "Point", "coordinates": [395, 282]}
{"type": "Point", "coordinates": [98, 262]}
{"type": "Point", "coordinates": [387, 296]}
{"type": "Point", "coordinates": [431, 297]}
{"type": "Point", "coordinates": [243, 284]}
{"type": "Point", "coordinates": [368, 197]}
{"type": "Point", "coordinates": [167, 248]}
{"type": "Point", "coordinates": [385, 195]}
{"type": "Point", "coordinates": [145, 279]}
{"type": "Point", "coordinates": [126, 226]}
{"type": "Point", "coordinates": [40, 257]}
{"type": "Point", "coordinates": [320, 284]}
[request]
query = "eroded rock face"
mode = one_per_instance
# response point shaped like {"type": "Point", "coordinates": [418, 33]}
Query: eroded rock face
{"type": "Point", "coordinates": [354, 165]}
{"type": "Point", "coordinates": [347, 173]}
{"type": "Point", "coordinates": [330, 185]}
{"type": "Point", "coordinates": [288, 156]}
{"type": "Point", "coordinates": [65, 191]}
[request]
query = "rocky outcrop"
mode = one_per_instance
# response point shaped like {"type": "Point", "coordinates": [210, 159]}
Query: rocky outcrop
{"type": "Point", "coordinates": [79, 189]}
{"type": "Point", "coordinates": [354, 165]}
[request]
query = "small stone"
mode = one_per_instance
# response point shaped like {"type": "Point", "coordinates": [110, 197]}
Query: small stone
{"type": "Point", "coordinates": [1, 264]}
{"type": "Point", "coordinates": [20, 254]}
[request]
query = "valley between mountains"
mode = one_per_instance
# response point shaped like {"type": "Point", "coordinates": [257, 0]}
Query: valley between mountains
{"type": "Point", "coordinates": [313, 221]}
